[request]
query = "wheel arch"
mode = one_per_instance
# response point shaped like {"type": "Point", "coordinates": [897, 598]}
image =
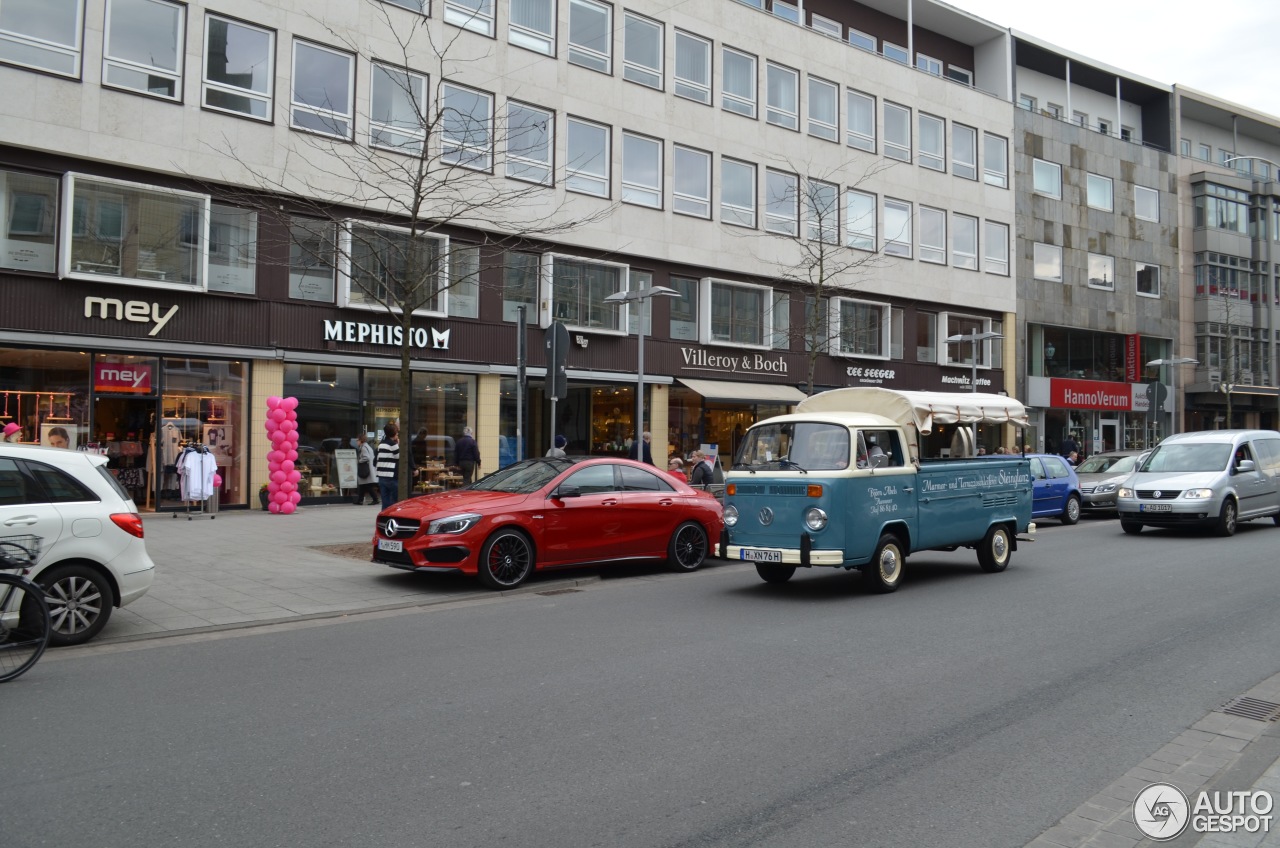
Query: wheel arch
{"type": "Point", "coordinates": [902, 531]}
{"type": "Point", "coordinates": [94, 566]}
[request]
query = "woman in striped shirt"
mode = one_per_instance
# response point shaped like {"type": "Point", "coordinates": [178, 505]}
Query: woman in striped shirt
{"type": "Point", "coordinates": [389, 464]}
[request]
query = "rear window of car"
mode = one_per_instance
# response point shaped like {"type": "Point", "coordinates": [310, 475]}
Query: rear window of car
{"type": "Point", "coordinates": [60, 486]}
{"type": "Point", "coordinates": [113, 482]}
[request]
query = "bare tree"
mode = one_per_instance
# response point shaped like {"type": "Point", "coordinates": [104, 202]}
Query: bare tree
{"type": "Point", "coordinates": [430, 201]}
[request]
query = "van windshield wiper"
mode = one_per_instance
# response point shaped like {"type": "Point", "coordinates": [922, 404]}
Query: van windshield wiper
{"type": "Point", "coordinates": [786, 463]}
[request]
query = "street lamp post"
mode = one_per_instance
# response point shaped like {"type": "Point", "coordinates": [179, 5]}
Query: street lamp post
{"type": "Point", "coordinates": [1270, 293]}
{"type": "Point", "coordinates": [1174, 363]}
{"type": "Point", "coordinates": [639, 296]}
{"type": "Point", "coordinates": [974, 338]}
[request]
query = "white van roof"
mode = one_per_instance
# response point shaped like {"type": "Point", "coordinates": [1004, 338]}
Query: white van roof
{"type": "Point", "coordinates": [922, 410]}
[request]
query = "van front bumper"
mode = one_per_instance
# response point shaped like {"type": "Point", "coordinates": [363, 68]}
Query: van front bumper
{"type": "Point", "coordinates": [787, 556]}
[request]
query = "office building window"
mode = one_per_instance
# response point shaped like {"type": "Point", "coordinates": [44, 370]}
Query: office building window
{"type": "Point", "coordinates": [1053, 110]}
{"type": "Point", "coordinates": [43, 34]}
{"type": "Point", "coordinates": [693, 67]}
{"type": "Point", "coordinates": [894, 52]}
{"type": "Point", "coordinates": [641, 50]}
{"type": "Point", "coordinates": [926, 336]}
{"type": "Point", "coordinates": [233, 249]}
{"type": "Point", "coordinates": [1184, 147]}
{"type": "Point", "coordinates": [475, 15]}
{"type": "Point", "coordinates": [1204, 153]}
{"type": "Point", "coordinates": [1104, 127]}
{"type": "Point", "coordinates": [860, 220]}
{"type": "Point", "coordinates": [739, 92]}
{"type": "Point", "coordinates": [397, 109]}
{"type": "Point", "coordinates": [419, 6]}
{"type": "Point", "coordinates": [684, 309]}
{"type": "Point", "coordinates": [862, 121]}
{"type": "Point", "coordinates": [1146, 203]}
{"type": "Point", "coordinates": [897, 132]}
{"type": "Point", "coordinates": [964, 151]}
{"type": "Point", "coordinates": [520, 276]}
{"type": "Point", "coordinates": [579, 289]}
{"type": "Point", "coordinates": [928, 64]}
{"type": "Point", "coordinates": [641, 170]}
{"type": "Point", "coordinates": [1099, 192]}
{"type": "Point", "coordinates": [1047, 262]}
{"type": "Point", "coordinates": [142, 47]}
{"type": "Point", "coordinates": [782, 93]}
{"type": "Point", "coordinates": [1102, 272]}
{"type": "Point", "coordinates": [28, 222]}
{"type": "Point", "coordinates": [782, 202]}
{"type": "Point", "coordinates": [964, 242]}
{"type": "Point", "coordinates": [737, 193]}
{"type": "Point", "coordinates": [780, 338]}
{"type": "Point", "coordinates": [862, 327]}
{"type": "Point", "coordinates": [587, 168]}
{"type": "Point", "coordinates": [738, 312]}
{"type": "Point", "coordinates": [933, 235]}
{"type": "Point", "coordinates": [533, 25]}
{"type": "Point", "coordinates": [1148, 281]}
{"type": "Point", "coordinates": [1046, 178]}
{"type": "Point", "coordinates": [933, 143]}
{"type": "Point", "coordinates": [239, 67]}
{"type": "Point", "coordinates": [1080, 119]}
{"type": "Point", "coordinates": [691, 181]}
{"type": "Point", "coordinates": [862, 40]}
{"type": "Point", "coordinates": [897, 227]}
{"type": "Point", "coordinates": [996, 248]}
{"type": "Point", "coordinates": [824, 109]}
{"type": "Point", "coordinates": [1027, 102]}
{"type": "Point", "coordinates": [323, 83]}
{"type": "Point", "coordinates": [960, 75]}
{"type": "Point", "coordinates": [463, 298]}
{"type": "Point", "coordinates": [826, 26]}
{"type": "Point", "coordinates": [995, 160]}
{"type": "Point", "coordinates": [530, 142]}
{"type": "Point", "coordinates": [313, 247]}
{"type": "Point", "coordinates": [822, 210]}
{"type": "Point", "coordinates": [466, 121]}
{"type": "Point", "coordinates": [384, 267]}
{"type": "Point", "coordinates": [590, 34]}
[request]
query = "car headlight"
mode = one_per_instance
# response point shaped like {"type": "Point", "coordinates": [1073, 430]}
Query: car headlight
{"type": "Point", "coordinates": [1105, 488]}
{"type": "Point", "coordinates": [815, 518]}
{"type": "Point", "coordinates": [1125, 492]}
{"type": "Point", "coordinates": [453, 524]}
{"type": "Point", "coordinates": [730, 515]}
{"type": "Point", "coordinates": [1197, 494]}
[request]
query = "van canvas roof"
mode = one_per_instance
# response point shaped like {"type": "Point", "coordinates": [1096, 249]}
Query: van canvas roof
{"type": "Point", "coordinates": [923, 410]}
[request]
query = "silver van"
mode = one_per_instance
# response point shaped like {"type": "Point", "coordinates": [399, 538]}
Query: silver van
{"type": "Point", "coordinates": [1215, 478]}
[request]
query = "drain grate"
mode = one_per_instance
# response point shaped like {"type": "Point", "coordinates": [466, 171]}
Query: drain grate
{"type": "Point", "coordinates": [1253, 708]}
{"type": "Point", "coordinates": [571, 591]}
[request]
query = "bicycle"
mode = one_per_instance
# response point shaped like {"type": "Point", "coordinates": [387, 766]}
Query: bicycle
{"type": "Point", "coordinates": [25, 625]}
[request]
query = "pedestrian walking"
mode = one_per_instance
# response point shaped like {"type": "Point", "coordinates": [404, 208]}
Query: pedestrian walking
{"type": "Point", "coordinates": [389, 464]}
{"type": "Point", "coordinates": [645, 455]}
{"type": "Point", "coordinates": [703, 474]}
{"type": "Point", "coordinates": [467, 454]}
{"type": "Point", "coordinates": [366, 473]}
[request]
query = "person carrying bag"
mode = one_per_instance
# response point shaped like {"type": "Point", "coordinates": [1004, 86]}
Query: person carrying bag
{"type": "Point", "coordinates": [366, 482]}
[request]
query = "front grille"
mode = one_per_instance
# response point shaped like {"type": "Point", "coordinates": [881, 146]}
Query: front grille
{"type": "Point", "coordinates": [394, 557]}
{"type": "Point", "coordinates": [750, 489]}
{"type": "Point", "coordinates": [405, 528]}
{"type": "Point", "coordinates": [800, 489]}
{"type": "Point", "coordinates": [1087, 490]}
{"type": "Point", "coordinates": [1164, 494]}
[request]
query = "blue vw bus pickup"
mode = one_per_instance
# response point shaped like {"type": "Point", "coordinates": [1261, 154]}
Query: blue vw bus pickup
{"type": "Point", "coordinates": [845, 482]}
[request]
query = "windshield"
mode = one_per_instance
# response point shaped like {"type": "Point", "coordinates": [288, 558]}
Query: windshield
{"type": "Point", "coordinates": [803, 444]}
{"type": "Point", "coordinates": [523, 478]}
{"type": "Point", "coordinates": [1186, 457]}
{"type": "Point", "coordinates": [1111, 464]}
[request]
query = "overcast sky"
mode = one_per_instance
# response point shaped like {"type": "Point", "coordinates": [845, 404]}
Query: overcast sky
{"type": "Point", "coordinates": [1226, 48]}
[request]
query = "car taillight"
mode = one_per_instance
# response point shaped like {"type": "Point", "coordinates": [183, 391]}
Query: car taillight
{"type": "Point", "coordinates": [129, 522]}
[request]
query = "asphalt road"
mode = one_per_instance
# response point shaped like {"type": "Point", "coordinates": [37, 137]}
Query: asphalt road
{"type": "Point", "coordinates": [657, 710]}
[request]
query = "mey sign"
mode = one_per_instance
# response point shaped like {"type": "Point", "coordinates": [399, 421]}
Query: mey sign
{"type": "Point", "coordinates": [137, 311]}
{"type": "Point", "coordinates": [128, 379]}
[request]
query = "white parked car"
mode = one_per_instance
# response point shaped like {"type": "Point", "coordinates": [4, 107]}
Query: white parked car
{"type": "Point", "coordinates": [91, 554]}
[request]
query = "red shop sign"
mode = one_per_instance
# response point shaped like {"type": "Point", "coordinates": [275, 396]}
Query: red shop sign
{"type": "Point", "coordinates": [127, 379]}
{"type": "Point", "coordinates": [1090, 394]}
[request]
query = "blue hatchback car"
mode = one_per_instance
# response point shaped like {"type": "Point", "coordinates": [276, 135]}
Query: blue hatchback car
{"type": "Point", "coordinates": [1056, 488]}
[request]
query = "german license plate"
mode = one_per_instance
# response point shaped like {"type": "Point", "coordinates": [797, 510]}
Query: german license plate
{"type": "Point", "coordinates": [391, 545]}
{"type": "Point", "coordinates": [1156, 507]}
{"type": "Point", "coordinates": [761, 556]}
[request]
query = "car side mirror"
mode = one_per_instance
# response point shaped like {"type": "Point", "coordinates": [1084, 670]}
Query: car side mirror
{"type": "Point", "coordinates": [562, 492]}
{"type": "Point", "coordinates": [1246, 465]}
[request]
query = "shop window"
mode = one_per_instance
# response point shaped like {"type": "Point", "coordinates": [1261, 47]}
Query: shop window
{"type": "Point", "coordinates": [782, 96]}
{"type": "Point", "coordinates": [587, 171]}
{"type": "Point", "coordinates": [312, 260]}
{"type": "Point", "coordinates": [860, 220]}
{"type": "Point", "coordinates": [126, 232]}
{"type": "Point", "coordinates": [861, 328]}
{"type": "Point", "coordinates": [641, 170]}
{"type": "Point", "coordinates": [736, 313]}
{"type": "Point", "coordinates": [233, 249]}
{"type": "Point", "coordinates": [862, 121]}
{"type": "Point", "coordinates": [533, 25]}
{"type": "Point", "coordinates": [28, 210]}
{"type": "Point", "coordinates": [691, 182]}
{"type": "Point", "coordinates": [578, 292]}
{"type": "Point", "coordinates": [464, 281]}
{"type": "Point", "coordinates": [824, 109]}
{"type": "Point", "coordinates": [693, 68]}
{"type": "Point", "coordinates": [782, 202]}
{"type": "Point", "coordinates": [822, 211]}
{"type": "Point", "coordinates": [397, 110]}
{"type": "Point", "coordinates": [964, 242]}
{"type": "Point", "coordinates": [530, 142]}
{"type": "Point", "coordinates": [43, 34]}
{"type": "Point", "coordinates": [897, 227]}
{"type": "Point", "coordinates": [590, 35]}
{"type": "Point", "coordinates": [475, 15]}
{"type": "Point", "coordinates": [323, 90]}
{"type": "Point", "coordinates": [385, 268]}
{"type": "Point", "coordinates": [204, 401]}
{"type": "Point", "coordinates": [1148, 279]}
{"type": "Point", "coordinates": [739, 91]}
{"type": "Point", "coordinates": [142, 49]}
{"type": "Point", "coordinates": [996, 248]}
{"type": "Point", "coordinates": [737, 193]}
{"type": "Point", "coordinates": [466, 127]}
{"type": "Point", "coordinates": [897, 132]}
{"type": "Point", "coordinates": [642, 50]}
{"type": "Point", "coordinates": [684, 309]}
{"type": "Point", "coordinates": [933, 143]}
{"type": "Point", "coordinates": [520, 285]}
{"type": "Point", "coordinates": [995, 160]}
{"type": "Point", "coordinates": [239, 68]}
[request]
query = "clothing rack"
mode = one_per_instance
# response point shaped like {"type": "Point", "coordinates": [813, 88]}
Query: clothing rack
{"type": "Point", "coordinates": [196, 468]}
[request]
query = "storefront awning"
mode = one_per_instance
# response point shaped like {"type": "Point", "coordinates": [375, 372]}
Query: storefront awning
{"type": "Point", "coordinates": [746, 392]}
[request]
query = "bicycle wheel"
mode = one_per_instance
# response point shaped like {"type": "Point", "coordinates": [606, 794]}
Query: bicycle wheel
{"type": "Point", "coordinates": [24, 625]}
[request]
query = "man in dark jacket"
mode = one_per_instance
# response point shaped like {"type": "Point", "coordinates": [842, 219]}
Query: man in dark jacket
{"type": "Point", "coordinates": [647, 454]}
{"type": "Point", "coordinates": [467, 455]}
{"type": "Point", "coordinates": [703, 475]}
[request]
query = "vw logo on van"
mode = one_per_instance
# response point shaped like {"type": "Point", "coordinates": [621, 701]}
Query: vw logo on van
{"type": "Point", "coordinates": [766, 516]}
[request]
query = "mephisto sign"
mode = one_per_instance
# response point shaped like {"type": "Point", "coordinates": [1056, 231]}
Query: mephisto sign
{"type": "Point", "coordinates": [359, 332]}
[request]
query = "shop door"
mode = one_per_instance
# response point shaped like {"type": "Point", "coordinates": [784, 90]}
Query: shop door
{"type": "Point", "coordinates": [1110, 428]}
{"type": "Point", "coordinates": [124, 430]}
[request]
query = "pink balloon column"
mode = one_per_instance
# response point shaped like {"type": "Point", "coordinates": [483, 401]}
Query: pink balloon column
{"type": "Point", "coordinates": [282, 430]}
